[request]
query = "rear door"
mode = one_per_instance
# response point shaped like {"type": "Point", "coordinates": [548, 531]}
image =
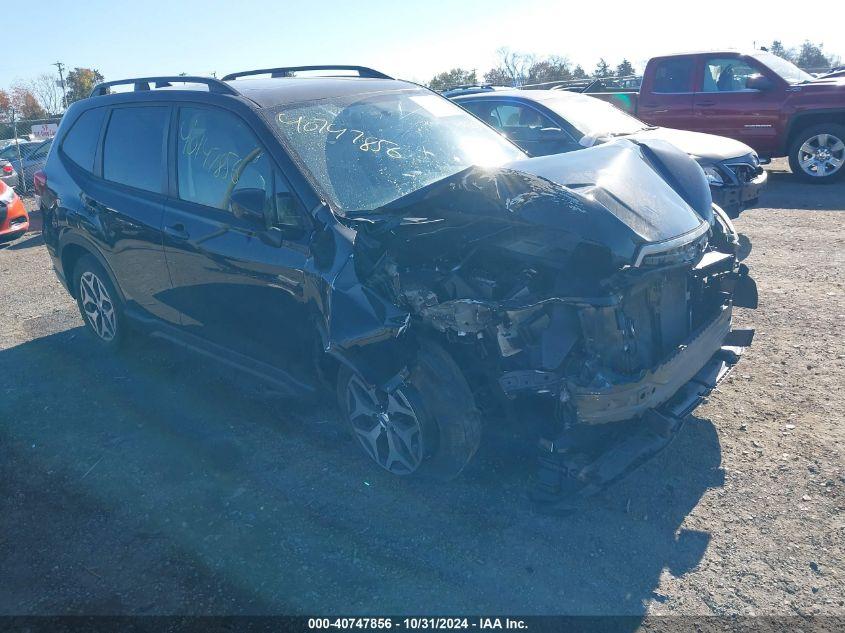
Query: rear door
{"type": "Point", "coordinates": [236, 240]}
{"type": "Point", "coordinates": [724, 105]}
{"type": "Point", "coordinates": [124, 205]}
{"type": "Point", "coordinates": [666, 95]}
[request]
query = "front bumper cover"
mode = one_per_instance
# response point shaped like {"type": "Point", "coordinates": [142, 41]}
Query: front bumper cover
{"type": "Point", "coordinates": [586, 459]}
{"type": "Point", "coordinates": [623, 401]}
{"type": "Point", "coordinates": [737, 196]}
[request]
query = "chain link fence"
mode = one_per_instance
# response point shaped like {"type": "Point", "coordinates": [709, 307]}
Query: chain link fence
{"type": "Point", "coordinates": [25, 157]}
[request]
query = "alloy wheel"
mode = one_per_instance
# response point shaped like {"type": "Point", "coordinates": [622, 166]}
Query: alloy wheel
{"type": "Point", "coordinates": [97, 306]}
{"type": "Point", "coordinates": [386, 426]}
{"type": "Point", "coordinates": [822, 155]}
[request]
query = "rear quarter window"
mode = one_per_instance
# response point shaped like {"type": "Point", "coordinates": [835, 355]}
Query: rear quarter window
{"type": "Point", "coordinates": [133, 151]}
{"type": "Point", "coordinates": [80, 144]}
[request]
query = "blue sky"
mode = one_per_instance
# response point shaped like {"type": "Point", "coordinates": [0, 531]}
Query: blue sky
{"type": "Point", "coordinates": [406, 39]}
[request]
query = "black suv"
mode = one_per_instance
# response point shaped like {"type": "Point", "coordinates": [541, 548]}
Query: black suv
{"type": "Point", "coordinates": [369, 234]}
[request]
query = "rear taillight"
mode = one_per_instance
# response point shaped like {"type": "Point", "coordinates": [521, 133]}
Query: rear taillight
{"type": "Point", "coordinates": [7, 169]}
{"type": "Point", "coordinates": [39, 182]}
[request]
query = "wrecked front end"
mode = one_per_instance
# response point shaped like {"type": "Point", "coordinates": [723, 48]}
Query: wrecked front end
{"type": "Point", "coordinates": [592, 293]}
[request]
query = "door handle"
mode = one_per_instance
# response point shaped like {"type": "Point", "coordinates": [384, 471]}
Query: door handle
{"type": "Point", "coordinates": [177, 231]}
{"type": "Point", "coordinates": [706, 104]}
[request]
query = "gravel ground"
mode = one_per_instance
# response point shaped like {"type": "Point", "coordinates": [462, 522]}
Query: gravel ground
{"type": "Point", "coordinates": [153, 483]}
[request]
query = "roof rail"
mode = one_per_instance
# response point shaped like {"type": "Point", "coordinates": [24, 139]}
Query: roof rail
{"type": "Point", "coordinates": [468, 88]}
{"type": "Point", "coordinates": [143, 83]}
{"type": "Point", "coordinates": [285, 71]}
{"type": "Point", "coordinates": [465, 86]}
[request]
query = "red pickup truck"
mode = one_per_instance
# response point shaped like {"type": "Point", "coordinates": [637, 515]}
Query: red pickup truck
{"type": "Point", "coordinates": [757, 98]}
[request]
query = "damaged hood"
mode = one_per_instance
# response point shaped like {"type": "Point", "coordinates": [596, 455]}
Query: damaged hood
{"type": "Point", "coordinates": [608, 196]}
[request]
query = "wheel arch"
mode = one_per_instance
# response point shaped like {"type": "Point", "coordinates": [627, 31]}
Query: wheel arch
{"type": "Point", "coordinates": [802, 120]}
{"type": "Point", "coordinates": [75, 248]}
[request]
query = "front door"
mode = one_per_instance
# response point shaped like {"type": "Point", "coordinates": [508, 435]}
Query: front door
{"type": "Point", "coordinates": [236, 241]}
{"type": "Point", "coordinates": [725, 106]}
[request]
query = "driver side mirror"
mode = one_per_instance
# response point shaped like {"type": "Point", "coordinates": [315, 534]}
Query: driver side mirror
{"type": "Point", "coordinates": [758, 82]}
{"type": "Point", "coordinates": [273, 226]}
{"type": "Point", "coordinates": [248, 204]}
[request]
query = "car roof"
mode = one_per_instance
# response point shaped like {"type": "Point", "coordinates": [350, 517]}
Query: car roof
{"type": "Point", "coordinates": [262, 92]}
{"type": "Point", "coordinates": [471, 89]}
{"type": "Point", "coordinates": [527, 95]}
{"type": "Point", "coordinates": [284, 90]}
{"type": "Point", "coordinates": [714, 51]}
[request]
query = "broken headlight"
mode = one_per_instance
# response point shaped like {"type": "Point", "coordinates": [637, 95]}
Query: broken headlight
{"type": "Point", "coordinates": [684, 253]}
{"type": "Point", "coordinates": [714, 177]}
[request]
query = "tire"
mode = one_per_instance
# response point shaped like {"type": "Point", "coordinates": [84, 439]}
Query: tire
{"type": "Point", "coordinates": [817, 153]}
{"type": "Point", "coordinates": [99, 304]}
{"type": "Point", "coordinates": [433, 411]}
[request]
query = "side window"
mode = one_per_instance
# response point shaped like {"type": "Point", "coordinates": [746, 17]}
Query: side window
{"type": "Point", "coordinates": [673, 75]}
{"type": "Point", "coordinates": [726, 75]}
{"type": "Point", "coordinates": [484, 110]}
{"type": "Point", "coordinates": [518, 116]}
{"type": "Point", "coordinates": [80, 144]}
{"type": "Point", "coordinates": [220, 164]}
{"type": "Point", "coordinates": [134, 146]}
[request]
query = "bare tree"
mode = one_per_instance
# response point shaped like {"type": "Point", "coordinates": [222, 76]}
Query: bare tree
{"type": "Point", "coordinates": [5, 105]}
{"type": "Point", "coordinates": [516, 65]}
{"type": "Point", "coordinates": [47, 91]}
{"type": "Point", "coordinates": [553, 68]}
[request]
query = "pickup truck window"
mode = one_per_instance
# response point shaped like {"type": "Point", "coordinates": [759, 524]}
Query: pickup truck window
{"type": "Point", "coordinates": [786, 69]}
{"type": "Point", "coordinates": [726, 74]}
{"type": "Point", "coordinates": [673, 75]}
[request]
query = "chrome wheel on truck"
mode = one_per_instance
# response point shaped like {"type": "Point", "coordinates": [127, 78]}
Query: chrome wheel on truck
{"type": "Point", "coordinates": [818, 153]}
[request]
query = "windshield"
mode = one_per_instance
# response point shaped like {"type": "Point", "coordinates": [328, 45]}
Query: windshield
{"type": "Point", "coordinates": [593, 117]}
{"type": "Point", "coordinates": [368, 150]}
{"type": "Point", "coordinates": [786, 69]}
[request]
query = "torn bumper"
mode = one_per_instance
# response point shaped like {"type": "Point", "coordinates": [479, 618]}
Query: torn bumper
{"type": "Point", "coordinates": [586, 459]}
{"type": "Point", "coordinates": [623, 401]}
{"type": "Point", "coordinates": [743, 194]}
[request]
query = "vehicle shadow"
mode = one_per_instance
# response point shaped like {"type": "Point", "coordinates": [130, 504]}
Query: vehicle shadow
{"type": "Point", "coordinates": [27, 241]}
{"type": "Point", "coordinates": [784, 191]}
{"type": "Point", "coordinates": [151, 482]}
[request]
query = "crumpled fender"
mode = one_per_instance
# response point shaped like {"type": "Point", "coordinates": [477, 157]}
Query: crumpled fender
{"type": "Point", "coordinates": [365, 331]}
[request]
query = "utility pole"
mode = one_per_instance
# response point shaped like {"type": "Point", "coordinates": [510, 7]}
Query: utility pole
{"type": "Point", "coordinates": [61, 66]}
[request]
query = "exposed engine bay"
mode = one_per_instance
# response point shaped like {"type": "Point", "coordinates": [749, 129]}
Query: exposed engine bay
{"type": "Point", "coordinates": [597, 293]}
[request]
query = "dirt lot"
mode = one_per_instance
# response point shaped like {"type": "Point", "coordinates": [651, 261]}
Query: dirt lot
{"type": "Point", "coordinates": [150, 482]}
